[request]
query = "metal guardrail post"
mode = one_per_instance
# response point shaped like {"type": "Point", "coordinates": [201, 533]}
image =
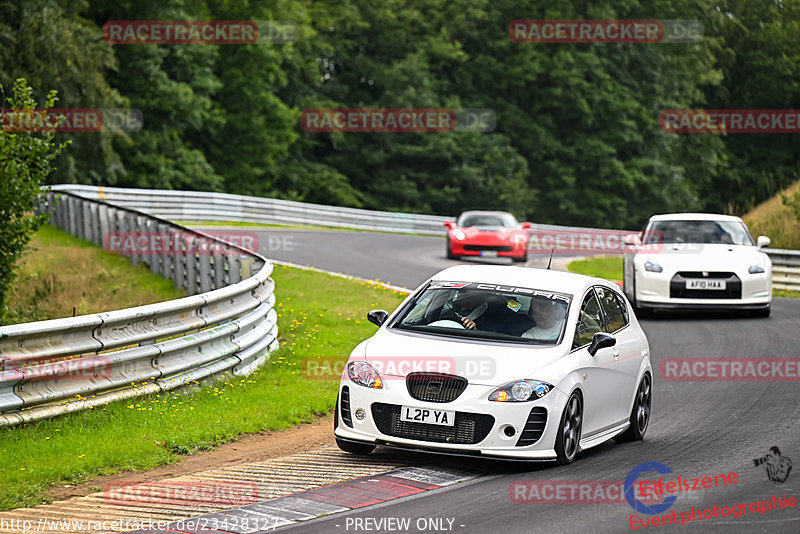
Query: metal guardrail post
{"type": "Point", "coordinates": [151, 226]}
{"type": "Point", "coordinates": [131, 232]}
{"type": "Point", "coordinates": [204, 272]}
{"type": "Point", "coordinates": [218, 269]}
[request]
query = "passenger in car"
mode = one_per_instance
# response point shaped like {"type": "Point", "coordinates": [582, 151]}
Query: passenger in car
{"type": "Point", "coordinates": [548, 316]}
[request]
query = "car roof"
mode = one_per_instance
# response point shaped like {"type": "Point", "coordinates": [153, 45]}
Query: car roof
{"type": "Point", "coordinates": [544, 279]}
{"type": "Point", "coordinates": [476, 212]}
{"type": "Point", "coordinates": [695, 217]}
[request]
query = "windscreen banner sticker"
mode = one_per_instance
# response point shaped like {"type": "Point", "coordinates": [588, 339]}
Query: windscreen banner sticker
{"type": "Point", "coordinates": [502, 289]}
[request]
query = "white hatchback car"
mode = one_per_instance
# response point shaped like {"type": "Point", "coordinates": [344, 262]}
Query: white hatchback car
{"type": "Point", "coordinates": [505, 362]}
{"type": "Point", "coordinates": [697, 261]}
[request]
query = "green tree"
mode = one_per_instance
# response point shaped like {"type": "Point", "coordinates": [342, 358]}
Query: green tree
{"type": "Point", "coordinates": [759, 57]}
{"type": "Point", "coordinates": [25, 163]}
{"type": "Point", "coordinates": [53, 45]}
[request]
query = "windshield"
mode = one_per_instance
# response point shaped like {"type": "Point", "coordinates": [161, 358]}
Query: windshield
{"type": "Point", "coordinates": [488, 221]}
{"type": "Point", "coordinates": [488, 311]}
{"type": "Point", "coordinates": [709, 232]}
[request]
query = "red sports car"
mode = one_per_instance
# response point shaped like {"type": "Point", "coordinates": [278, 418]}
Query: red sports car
{"type": "Point", "coordinates": [488, 234]}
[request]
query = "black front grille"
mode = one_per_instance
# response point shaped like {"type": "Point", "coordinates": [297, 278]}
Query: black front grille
{"type": "Point", "coordinates": [498, 248]}
{"type": "Point", "coordinates": [345, 404]}
{"type": "Point", "coordinates": [469, 428]}
{"type": "Point", "coordinates": [705, 274]}
{"type": "Point", "coordinates": [435, 387]}
{"type": "Point", "coordinates": [534, 427]}
{"type": "Point", "coordinates": [733, 286]}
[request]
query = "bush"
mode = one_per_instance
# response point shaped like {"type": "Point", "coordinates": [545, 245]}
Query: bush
{"type": "Point", "coordinates": [25, 158]}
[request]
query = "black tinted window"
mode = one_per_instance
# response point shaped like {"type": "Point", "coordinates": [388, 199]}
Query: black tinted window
{"type": "Point", "coordinates": [616, 317]}
{"type": "Point", "coordinates": [590, 321]}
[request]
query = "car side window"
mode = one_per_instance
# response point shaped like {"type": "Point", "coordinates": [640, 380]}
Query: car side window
{"type": "Point", "coordinates": [615, 314]}
{"type": "Point", "coordinates": [590, 321]}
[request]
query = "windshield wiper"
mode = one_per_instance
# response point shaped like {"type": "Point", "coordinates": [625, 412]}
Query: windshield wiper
{"type": "Point", "coordinates": [479, 334]}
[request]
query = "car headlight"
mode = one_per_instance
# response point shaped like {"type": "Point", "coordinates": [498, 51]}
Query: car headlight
{"type": "Point", "coordinates": [458, 234]}
{"type": "Point", "coordinates": [755, 269]}
{"type": "Point", "coordinates": [652, 266]}
{"type": "Point", "coordinates": [521, 391]}
{"type": "Point", "coordinates": [363, 374]}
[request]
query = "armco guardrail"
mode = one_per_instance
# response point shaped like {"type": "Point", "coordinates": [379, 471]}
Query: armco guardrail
{"type": "Point", "coordinates": [206, 206]}
{"type": "Point", "coordinates": [785, 268]}
{"type": "Point", "coordinates": [226, 324]}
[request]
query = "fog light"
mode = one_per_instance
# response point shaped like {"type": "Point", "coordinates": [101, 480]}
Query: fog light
{"type": "Point", "coordinates": [509, 431]}
{"type": "Point", "coordinates": [360, 414]}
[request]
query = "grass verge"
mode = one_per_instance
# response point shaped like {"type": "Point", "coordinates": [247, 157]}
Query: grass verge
{"type": "Point", "coordinates": [320, 316]}
{"type": "Point", "coordinates": [774, 219]}
{"type": "Point", "coordinates": [606, 267]}
{"type": "Point", "coordinates": [61, 276]}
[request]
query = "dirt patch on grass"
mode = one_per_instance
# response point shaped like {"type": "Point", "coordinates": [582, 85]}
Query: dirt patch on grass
{"type": "Point", "coordinates": [248, 448]}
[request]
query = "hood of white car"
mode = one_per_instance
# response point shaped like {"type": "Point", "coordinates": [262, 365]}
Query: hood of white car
{"type": "Point", "coordinates": [702, 257]}
{"type": "Point", "coordinates": [480, 361]}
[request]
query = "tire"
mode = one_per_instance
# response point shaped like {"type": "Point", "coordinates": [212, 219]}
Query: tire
{"type": "Point", "coordinates": [362, 449]}
{"type": "Point", "coordinates": [640, 413]}
{"type": "Point", "coordinates": [449, 251]}
{"type": "Point", "coordinates": [523, 259]}
{"type": "Point", "coordinates": [569, 430]}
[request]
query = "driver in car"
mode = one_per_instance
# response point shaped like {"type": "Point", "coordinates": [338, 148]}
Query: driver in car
{"type": "Point", "coordinates": [465, 309]}
{"type": "Point", "coordinates": [548, 316]}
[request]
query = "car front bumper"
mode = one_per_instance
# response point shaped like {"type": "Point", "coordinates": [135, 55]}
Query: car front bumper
{"type": "Point", "coordinates": [488, 248]}
{"type": "Point", "coordinates": [474, 400]}
{"type": "Point", "coordinates": [663, 291]}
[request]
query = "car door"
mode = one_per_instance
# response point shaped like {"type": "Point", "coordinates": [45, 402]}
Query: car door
{"type": "Point", "coordinates": [627, 353]}
{"type": "Point", "coordinates": [599, 379]}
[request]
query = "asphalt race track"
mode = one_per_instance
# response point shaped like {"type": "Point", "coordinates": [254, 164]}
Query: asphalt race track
{"type": "Point", "coordinates": [698, 428]}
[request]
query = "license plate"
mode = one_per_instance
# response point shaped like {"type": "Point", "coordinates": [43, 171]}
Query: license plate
{"type": "Point", "coordinates": [705, 284]}
{"type": "Point", "coordinates": [489, 253]}
{"type": "Point", "coordinates": [428, 415]}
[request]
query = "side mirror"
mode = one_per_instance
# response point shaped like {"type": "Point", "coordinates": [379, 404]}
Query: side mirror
{"type": "Point", "coordinates": [632, 240]}
{"type": "Point", "coordinates": [377, 317]}
{"type": "Point", "coordinates": [527, 226]}
{"type": "Point", "coordinates": [763, 241]}
{"type": "Point", "coordinates": [449, 224]}
{"type": "Point", "coordinates": [601, 340]}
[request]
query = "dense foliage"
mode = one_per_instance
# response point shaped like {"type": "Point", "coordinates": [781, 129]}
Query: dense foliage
{"type": "Point", "coordinates": [25, 159]}
{"type": "Point", "coordinates": [577, 139]}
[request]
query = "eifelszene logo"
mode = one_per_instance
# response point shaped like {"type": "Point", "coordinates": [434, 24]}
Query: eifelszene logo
{"type": "Point", "coordinates": [630, 495]}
